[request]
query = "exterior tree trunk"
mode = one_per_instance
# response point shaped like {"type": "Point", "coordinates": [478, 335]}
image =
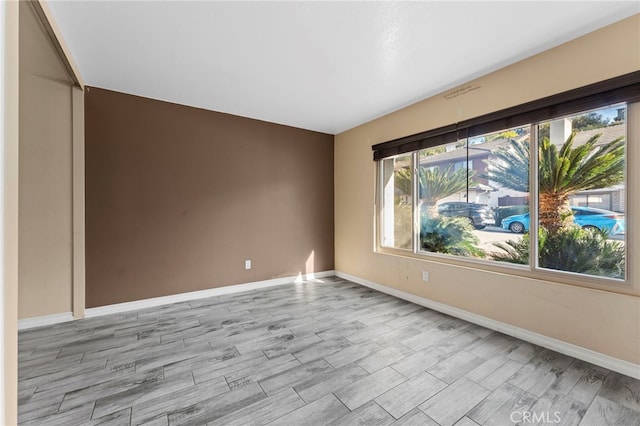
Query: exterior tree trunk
{"type": "Point", "coordinates": [430, 208]}
{"type": "Point", "coordinates": [554, 210]}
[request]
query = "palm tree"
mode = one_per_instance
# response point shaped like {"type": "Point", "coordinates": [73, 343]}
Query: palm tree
{"type": "Point", "coordinates": [435, 184]}
{"type": "Point", "coordinates": [565, 171]}
{"type": "Point", "coordinates": [562, 172]}
{"type": "Point", "coordinates": [404, 181]}
{"type": "Point", "coordinates": [512, 168]}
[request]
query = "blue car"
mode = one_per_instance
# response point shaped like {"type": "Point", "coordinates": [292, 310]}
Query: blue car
{"type": "Point", "coordinates": [587, 217]}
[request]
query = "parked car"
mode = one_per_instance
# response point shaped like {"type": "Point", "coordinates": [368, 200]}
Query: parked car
{"type": "Point", "coordinates": [586, 217]}
{"type": "Point", "coordinates": [480, 215]}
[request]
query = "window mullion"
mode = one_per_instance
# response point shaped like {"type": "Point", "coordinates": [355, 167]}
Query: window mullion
{"type": "Point", "coordinates": [533, 196]}
{"type": "Point", "coordinates": [415, 198]}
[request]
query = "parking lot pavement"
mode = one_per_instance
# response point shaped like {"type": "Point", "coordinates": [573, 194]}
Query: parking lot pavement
{"type": "Point", "coordinates": [492, 234]}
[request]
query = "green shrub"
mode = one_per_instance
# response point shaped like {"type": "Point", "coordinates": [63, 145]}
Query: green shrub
{"type": "Point", "coordinates": [571, 249]}
{"type": "Point", "coordinates": [449, 235]}
{"type": "Point", "coordinates": [515, 251]}
{"type": "Point", "coordinates": [587, 251]}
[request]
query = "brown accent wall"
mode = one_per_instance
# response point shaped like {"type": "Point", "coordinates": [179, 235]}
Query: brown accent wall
{"type": "Point", "coordinates": [177, 198]}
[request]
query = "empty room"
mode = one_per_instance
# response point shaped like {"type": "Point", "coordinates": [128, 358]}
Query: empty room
{"type": "Point", "coordinates": [312, 213]}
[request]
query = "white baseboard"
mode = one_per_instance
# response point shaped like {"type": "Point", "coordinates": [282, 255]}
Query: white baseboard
{"type": "Point", "coordinates": [597, 358]}
{"type": "Point", "coordinates": [27, 323]}
{"type": "Point", "coordinates": [182, 297]}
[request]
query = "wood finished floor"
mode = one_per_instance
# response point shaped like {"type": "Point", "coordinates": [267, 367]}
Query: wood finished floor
{"type": "Point", "coordinates": [320, 352]}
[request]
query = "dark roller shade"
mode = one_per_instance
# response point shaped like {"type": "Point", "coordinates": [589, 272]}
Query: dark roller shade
{"type": "Point", "coordinates": [625, 88]}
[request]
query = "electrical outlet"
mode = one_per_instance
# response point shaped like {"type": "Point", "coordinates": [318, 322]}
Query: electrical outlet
{"type": "Point", "coordinates": [425, 276]}
{"type": "Point", "coordinates": [247, 264]}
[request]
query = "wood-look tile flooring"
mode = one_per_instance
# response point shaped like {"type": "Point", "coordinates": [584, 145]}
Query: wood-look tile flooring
{"type": "Point", "coordinates": [321, 352]}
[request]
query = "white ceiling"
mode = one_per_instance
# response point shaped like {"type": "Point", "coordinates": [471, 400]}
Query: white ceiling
{"type": "Point", "coordinates": [325, 66]}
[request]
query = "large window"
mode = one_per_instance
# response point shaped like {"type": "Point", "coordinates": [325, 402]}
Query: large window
{"type": "Point", "coordinates": [545, 195]}
{"type": "Point", "coordinates": [581, 155]}
{"type": "Point", "coordinates": [459, 199]}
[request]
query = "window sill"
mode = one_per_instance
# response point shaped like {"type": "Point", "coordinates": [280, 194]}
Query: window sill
{"type": "Point", "coordinates": [524, 271]}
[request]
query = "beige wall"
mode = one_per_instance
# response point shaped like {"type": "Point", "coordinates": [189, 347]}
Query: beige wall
{"type": "Point", "coordinates": [602, 321]}
{"type": "Point", "coordinates": [179, 197]}
{"type": "Point", "coordinates": [37, 179]}
{"type": "Point", "coordinates": [79, 270]}
{"type": "Point", "coordinates": [46, 197]}
{"type": "Point", "coordinates": [9, 180]}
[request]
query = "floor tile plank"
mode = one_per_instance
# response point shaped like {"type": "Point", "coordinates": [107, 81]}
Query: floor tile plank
{"type": "Point", "coordinates": [494, 372]}
{"type": "Point", "coordinates": [603, 412]}
{"type": "Point", "coordinates": [456, 366]}
{"type": "Point", "coordinates": [500, 405]}
{"type": "Point", "coordinates": [158, 408]}
{"type": "Point", "coordinates": [415, 418]}
{"type": "Point", "coordinates": [451, 404]}
{"type": "Point", "coordinates": [320, 412]}
{"type": "Point", "coordinates": [384, 357]}
{"type": "Point", "coordinates": [263, 411]}
{"type": "Point", "coordinates": [622, 390]}
{"type": "Point", "coordinates": [320, 385]}
{"type": "Point", "coordinates": [216, 407]}
{"type": "Point", "coordinates": [293, 376]}
{"type": "Point", "coordinates": [370, 414]}
{"type": "Point", "coordinates": [369, 387]}
{"type": "Point", "coordinates": [409, 394]}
